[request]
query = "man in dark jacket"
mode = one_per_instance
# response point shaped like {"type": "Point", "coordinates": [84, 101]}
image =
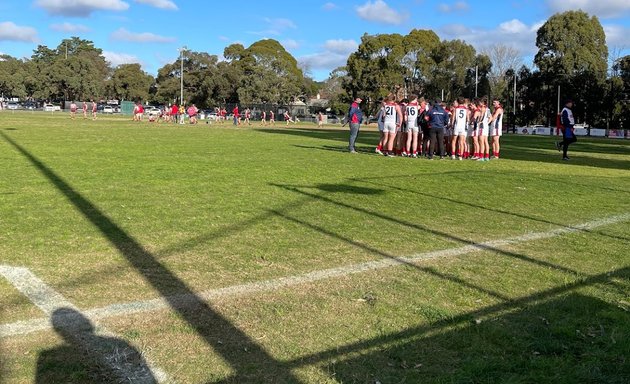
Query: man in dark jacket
{"type": "Point", "coordinates": [355, 116]}
{"type": "Point", "coordinates": [438, 119]}
{"type": "Point", "coordinates": [568, 136]}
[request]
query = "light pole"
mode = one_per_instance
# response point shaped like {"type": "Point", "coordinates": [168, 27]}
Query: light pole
{"type": "Point", "coordinates": [181, 75]}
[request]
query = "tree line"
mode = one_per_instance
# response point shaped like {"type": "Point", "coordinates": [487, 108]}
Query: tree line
{"type": "Point", "coordinates": [572, 58]}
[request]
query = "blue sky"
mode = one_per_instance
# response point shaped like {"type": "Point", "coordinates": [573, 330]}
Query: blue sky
{"type": "Point", "coordinates": [319, 34]}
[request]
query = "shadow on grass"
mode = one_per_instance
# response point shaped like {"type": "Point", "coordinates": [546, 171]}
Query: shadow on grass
{"type": "Point", "coordinates": [86, 357]}
{"type": "Point", "coordinates": [365, 137]}
{"type": "Point", "coordinates": [513, 147]}
{"type": "Point", "coordinates": [529, 149]}
{"type": "Point", "coordinates": [256, 364]}
{"type": "Point", "coordinates": [554, 333]}
{"type": "Point", "coordinates": [386, 255]}
{"type": "Point", "coordinates": [569, 339]}
{"type": "Point", "coordinates": [496, 210]}
{"type": "Point", "coordinates": [217, 331]}
{"type": "Point", "coordinates": [371, 213]}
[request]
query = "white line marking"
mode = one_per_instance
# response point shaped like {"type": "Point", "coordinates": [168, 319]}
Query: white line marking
{"type": "Point", "coordinates": [44, 297]}
{"type": "Point", "coordinates": [97, 340]}
{"type": "Point", "coordinates": [24, 327]}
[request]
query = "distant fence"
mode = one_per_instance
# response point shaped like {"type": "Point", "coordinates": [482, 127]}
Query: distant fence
{"type": "Point", "coordinates": [590, 132]}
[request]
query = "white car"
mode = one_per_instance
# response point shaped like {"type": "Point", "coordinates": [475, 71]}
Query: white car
{"type": "Point", "coordinates": [108, 109]}
{"type": "Point", "coordinates": [13, 105]}
{"type": "Point", "coordinates": [51, 108]}
{"type": "Point", "coordinates": [152, 111]}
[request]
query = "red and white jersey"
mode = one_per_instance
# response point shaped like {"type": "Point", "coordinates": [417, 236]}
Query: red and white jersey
{"type": "Point", "coordinates": [84, 106]}
{"type": "Point", "coordinates": [460, 119]}
{"type": "Point", "coordinates": [411, 114]}
{"type": "Point", "coordinates": [390, 113]}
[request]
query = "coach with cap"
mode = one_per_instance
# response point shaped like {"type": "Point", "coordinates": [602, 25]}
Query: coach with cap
{"type": "Point", "coordinates": [355, 116]}
{"type": "Point", "coordinates": [437, 118]}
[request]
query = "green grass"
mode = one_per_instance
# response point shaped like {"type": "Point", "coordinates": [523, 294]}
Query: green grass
{"type": "Point", "coordinates": [109, 211]}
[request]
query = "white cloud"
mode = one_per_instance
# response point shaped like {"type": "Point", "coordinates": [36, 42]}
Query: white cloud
{"type": "Point", "coordinates": [334, 54]}
{"type": "Point", "coordinates": [120, 58]}
{"type": "Point", "coordinates": [280, 24]}
{"type": "Point", "coordinates": [11, 32]}
{"type": "Point", "coordinates": [513, 33]}
{"type": "Point", "coordinates": [514, 26]}
{"type": "Point", "coordinates": [162, 4]}
{"type": "Point", "coordinates": [458, 6]}
{"type": "Point", "coordinates": [224, 38]}
{"type": "Point", "coordinates": [69, 28]}
{"type": "Point", "coordinates": [329, 6]}
{"type": "Point", "coordinates": [601, 8]}
{"type": "Point", "coordinates": [290, 44]}
{"type": "Point", "coordinates": [345, 47]}
{"type": "Point", "coordinates": [276, 27]}
{"type": "Point", "coordinates": [323, 60]}
{"type": "Point", "coordinates": [380, 12]}
{"type": "Point", "coordinates": [124, 35]}
{"type": "Point", "coordinates": [80, 8]}
{"type": "Point", "coordinates": [617, 37]}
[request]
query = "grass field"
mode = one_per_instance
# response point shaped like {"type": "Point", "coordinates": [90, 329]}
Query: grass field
{"type": "Point", "coordinates": [272, 255]}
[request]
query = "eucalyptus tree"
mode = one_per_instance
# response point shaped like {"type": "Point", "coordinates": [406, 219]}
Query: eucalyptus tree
{"type": "Point", "coordinates": [572, 53]}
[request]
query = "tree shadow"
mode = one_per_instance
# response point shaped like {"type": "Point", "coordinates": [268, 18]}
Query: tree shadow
{"type": "Point", "coordinates": [569, 339]}
{"type": "Point", "coordinates": [86, 357]}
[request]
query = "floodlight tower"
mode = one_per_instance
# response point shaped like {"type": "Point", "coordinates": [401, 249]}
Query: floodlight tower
{"type": "Point", "coordinates": [181, 75]}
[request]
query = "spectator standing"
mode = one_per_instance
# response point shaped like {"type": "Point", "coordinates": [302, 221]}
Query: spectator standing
{"type": "Point", "coordinates": [568, 135]}
{"type": "Point", "coordinates": [355, 116]}
{"type": "Point", "coordinates": [438, 120]}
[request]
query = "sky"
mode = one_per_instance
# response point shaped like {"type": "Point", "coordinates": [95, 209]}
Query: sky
{"type": "Point", "coordinates": [319, 34]}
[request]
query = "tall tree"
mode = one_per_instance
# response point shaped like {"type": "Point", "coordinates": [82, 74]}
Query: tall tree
{"type": "Point", "coordinates": [130, 82]}
{"type": "Point", "coordinates": [572, 53]}
{"type": "Point", "coordinates": [12, 77]}
{"type": "Point", "coordinates": [453, 61]}
{"type": "Point", "coordinates": [376, 68]}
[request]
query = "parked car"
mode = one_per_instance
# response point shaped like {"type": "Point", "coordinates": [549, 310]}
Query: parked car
{"type": "Point", "coordinates": [210, 115]}
{"type": "Point", "coordinates": [108, 109]}
{"type": "Point", "coordinates": [152, 111]}
{"type": "Point", "coordinates": [13, 105]}
{"type": "Point", "coordinates": [51, 107]}
{"type": "Point", "coordinates": [30, 105]}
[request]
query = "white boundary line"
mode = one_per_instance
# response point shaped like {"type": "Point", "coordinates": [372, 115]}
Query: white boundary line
{"type": "Point", "coordinates": [24, 327]}
{"type": "Point", "coordinates": [49, 300]}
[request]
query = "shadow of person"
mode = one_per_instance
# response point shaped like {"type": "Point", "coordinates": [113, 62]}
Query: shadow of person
{"type": "Point", "coordinates": [86, 357]}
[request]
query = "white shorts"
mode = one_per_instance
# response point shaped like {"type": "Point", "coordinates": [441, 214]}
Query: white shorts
{"type": "Point", "coordinates": [389, 127]}
{"type": "Point", "coordinates": [482, 131]}
{"type": "Point", "coordinates": [496, 132]}
{"type": "Point", "coordinates": [460, 131]}
{"type": "Point", "coordinates": [413, 129]}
